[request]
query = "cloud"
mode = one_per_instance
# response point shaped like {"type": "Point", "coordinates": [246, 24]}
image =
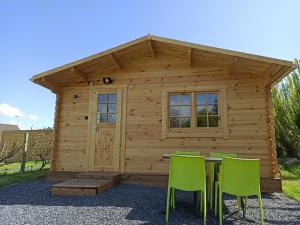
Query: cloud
{"type": "Point", "coordinates": [11, 111]}
{"type": "Point", "coordinates": [33, 117]}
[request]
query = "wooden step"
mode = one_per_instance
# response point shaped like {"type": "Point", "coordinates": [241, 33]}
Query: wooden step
{"type": "Point", "coordinates": [62, 176]}
{"type": "Point", "coordinates": [81, 187]}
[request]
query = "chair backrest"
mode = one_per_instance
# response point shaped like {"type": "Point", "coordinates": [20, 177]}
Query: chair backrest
{"type": "Point", "coordinates": [221, 154]}
{"type": "Point", "coordinates": [240, 176]}
{"type": "Point", "coordinates": [187, 172]}
{"type": "Point", "coordinates": [187, 153]}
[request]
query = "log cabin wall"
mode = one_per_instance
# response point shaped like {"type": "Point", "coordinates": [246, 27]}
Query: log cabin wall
{"type": "Point", "coordinates": [147, 77]}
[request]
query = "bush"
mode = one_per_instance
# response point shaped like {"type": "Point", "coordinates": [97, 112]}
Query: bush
{"type": "Point", "coordinates": [286, 103]}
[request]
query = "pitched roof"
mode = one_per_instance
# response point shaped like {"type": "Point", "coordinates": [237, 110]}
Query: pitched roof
{"type": "Point", "coordinates": [272, 69]}
{"type": "Point", "coordinates": [4, 127]}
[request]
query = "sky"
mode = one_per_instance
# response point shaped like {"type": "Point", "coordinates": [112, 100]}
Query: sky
{"type": "Point", "coordinates": [39, 35]}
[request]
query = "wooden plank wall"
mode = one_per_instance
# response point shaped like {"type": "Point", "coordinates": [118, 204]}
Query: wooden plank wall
{"type": "Point", "coordinates": [146, 78]}
{"type": "Point", "coordinates": [71, 129]}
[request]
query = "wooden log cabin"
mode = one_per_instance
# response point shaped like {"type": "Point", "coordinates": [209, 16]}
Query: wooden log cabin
{"type": "Point", "coordinates": [122, 109]}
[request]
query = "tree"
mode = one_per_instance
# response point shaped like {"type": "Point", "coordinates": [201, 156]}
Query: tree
{"type": "Point", "coordinates": [286, 102]}
{"type": "Point", "coordinates": [9, 150]}
{"type": "Point", "coordinates": [41, 144]}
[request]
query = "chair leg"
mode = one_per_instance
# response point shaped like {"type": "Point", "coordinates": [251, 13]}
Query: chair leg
{"type": "Point", "coordinates": [246, 204]}
{"type": "Point", "coordinates": [204, 208]}
{"type": "Point", "coordinates": [216, 197]}
{"type": "Point", "coordinates": [211, 184]}
{"type": "Point", "coordinates": [168, 204]}
{"type": "Point", "coordinates": [211, 191]}
{"type": "Point", "coordinates": [261, 213]}
{"type": "Point", "coordinates": [238, 200]}
{"type": "Point", "coordinates": [173, 198]}
{"type": "Point", "coordinates": [220, 207]}
{"type": "Point", "coordinates": [201, 202]}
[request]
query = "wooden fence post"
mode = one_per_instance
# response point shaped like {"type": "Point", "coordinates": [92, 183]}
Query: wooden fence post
{"type": "Point", "coordinates": [24, 152]}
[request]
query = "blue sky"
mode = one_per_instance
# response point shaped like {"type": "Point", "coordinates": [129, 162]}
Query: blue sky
{"type": "Point", "coordinates": [38, 35]}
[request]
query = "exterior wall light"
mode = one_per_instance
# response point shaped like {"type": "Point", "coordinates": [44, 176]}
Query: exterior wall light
{"type": "Point", "coordinates": [107, 80]}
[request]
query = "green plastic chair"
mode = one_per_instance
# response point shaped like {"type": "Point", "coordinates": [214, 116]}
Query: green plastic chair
{"type": "Point", "coordinates": [212, 173]}
{"type": "Point", "coordinates": [240, 177]}
{"type": "Point", "coordinates": [173, 189]}
{"type": "Point", "coordinates": [187, 173]}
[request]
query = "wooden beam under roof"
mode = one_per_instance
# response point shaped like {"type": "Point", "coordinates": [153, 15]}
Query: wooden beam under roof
{"type": "Point", "coordinates": [166, 41]}
{"type": "Point", "coordinates": [190, 52]}
{"type": "Point", "coordinates": [149, 42]}
{"type": "Point", "coordinates": [83, 76]}
{"type": "Point", "coordinates": [53, 86]}
{"type": "Point", "coordinates": [232, 66]}
{"type": "Point", "coordinates": [115, 61]}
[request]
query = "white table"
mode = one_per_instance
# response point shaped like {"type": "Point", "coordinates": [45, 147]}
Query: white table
{"type": "Point", "coordinates": [207, 158]}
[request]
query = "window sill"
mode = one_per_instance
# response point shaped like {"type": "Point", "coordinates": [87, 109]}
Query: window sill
{"type": "Point", "coordinates": [198, 132]}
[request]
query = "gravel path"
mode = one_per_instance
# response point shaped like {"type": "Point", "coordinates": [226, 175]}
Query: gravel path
{"type": "Point", "coordinates": [31, 203]}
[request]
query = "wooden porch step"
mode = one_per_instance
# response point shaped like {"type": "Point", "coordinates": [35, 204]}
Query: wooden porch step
{"type": "Point", "coordinates": [81, 187]}
{"type": "Point", "coordinates": [62, 176]}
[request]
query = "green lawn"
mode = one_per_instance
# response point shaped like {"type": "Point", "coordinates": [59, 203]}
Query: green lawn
{"type": "Point", "coordinates": [14, 167]}
{"type": "Point", "coordinates": [13, 176]}
{"type": "Point", "coordinates": [27, 176]}
{"type": "Point", "coordinates": [291, 180]}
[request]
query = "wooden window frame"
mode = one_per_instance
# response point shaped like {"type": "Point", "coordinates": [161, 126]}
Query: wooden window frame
{"type": "Point", "coordinates": [194, 131]}
{"type": "Point", "coordinates": [206, 104]}
{"type": "Point", "coordinates": [106, 103]}
{"type": "Point", "coordinates": [179, 106]}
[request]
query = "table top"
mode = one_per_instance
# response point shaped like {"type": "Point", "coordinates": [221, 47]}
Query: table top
{"type": "Point", "coordinates": [207, 158]}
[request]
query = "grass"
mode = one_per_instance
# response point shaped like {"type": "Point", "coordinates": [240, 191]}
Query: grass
{"type": "Point", "coordinates": [13, 176]}
{"type": "Point", "coordinates": [291, 180]}
{"type": "Point", "coordinates": [17, 177]}
{"type": "Point", "coordinates": [14, 167]}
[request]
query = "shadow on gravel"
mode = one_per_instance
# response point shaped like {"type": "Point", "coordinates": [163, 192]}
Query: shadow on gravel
{"type": "Point", "coordinates": [146, 205]}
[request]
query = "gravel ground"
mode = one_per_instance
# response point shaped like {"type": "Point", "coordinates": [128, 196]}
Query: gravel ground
{"type": "Point", "coordinates": [31, 203]}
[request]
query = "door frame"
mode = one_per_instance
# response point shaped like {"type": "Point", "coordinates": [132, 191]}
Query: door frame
{"type": "Point", "coordinates": [121, 90]}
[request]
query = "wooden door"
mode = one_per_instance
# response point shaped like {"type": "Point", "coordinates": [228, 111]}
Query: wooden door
{"type": "Point", "coordinates": [106, 130]}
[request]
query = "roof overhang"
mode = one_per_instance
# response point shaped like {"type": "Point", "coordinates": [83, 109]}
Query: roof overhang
{"type": "Point", "coordinates": [272, 70]}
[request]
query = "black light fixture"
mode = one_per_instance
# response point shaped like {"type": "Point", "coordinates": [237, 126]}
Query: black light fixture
{"type": "Point", "coordinates": [107, 80]}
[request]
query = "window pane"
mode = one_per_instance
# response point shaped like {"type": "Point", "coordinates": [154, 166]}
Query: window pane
{"type": "Point", "coordinates": [102, 98]}
{"type": "Point", "coordinates": [184, 99]}
{"type": "Point", "coordinates": [213, 121]}
{"type": "Point", "coordinates": [201, 110]}
{"type": "Point", "coordinates": [174, 100]}
{"type": "Point", "coordinates": [112, 98]}
{"type": "Point", "coordinates": [201, 99]}
{"type": "Point", "coordinates": [111, 118]}
{"type": "Point", "coordinates": [101, 117]}
{"type": "Point", "coordinates": [185, 122]}
{"type": "Point", "coordinates": [213, 109]}
{"type": "Point", "coordinates": [212, 98]}
{"type": "Point", "coordinates": [184, 111]}
{"type": "Point", "coordinates": [174, 122]}
{"type": "Point", "coordinates": [174, 110]}
{"type": "Point", "coordinates": [112, 108]}
{"type": "Point", "coordinates": [102, 108]}
{"type": "Point", "coordinates": [202, 121]}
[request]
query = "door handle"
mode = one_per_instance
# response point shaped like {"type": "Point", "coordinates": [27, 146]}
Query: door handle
{"type": "Point", "coordinates": [94, 129]}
